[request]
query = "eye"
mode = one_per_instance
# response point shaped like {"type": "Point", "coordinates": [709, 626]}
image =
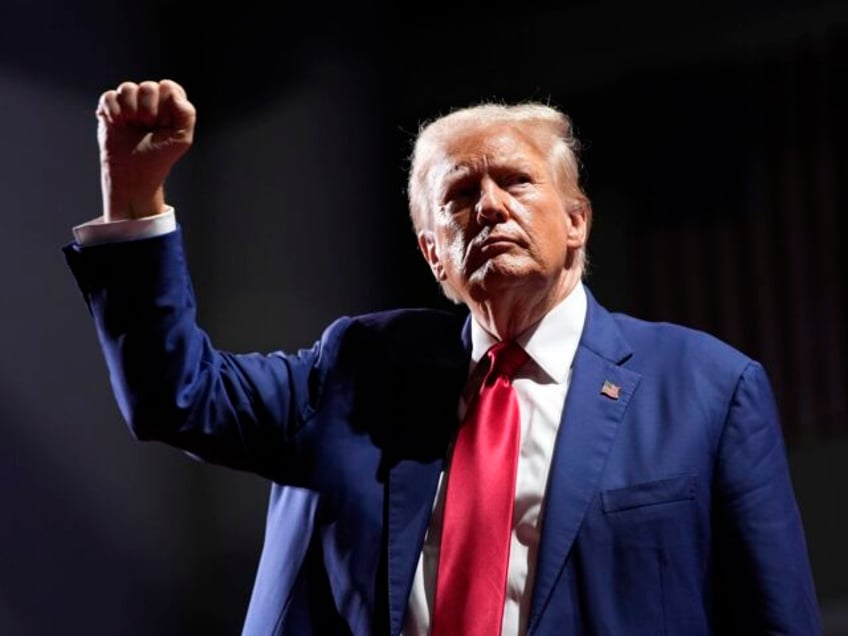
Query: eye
{"type": "Point", "coordinates": [460, 192]}
{"type": "Point", "coordinates": [517, 180]}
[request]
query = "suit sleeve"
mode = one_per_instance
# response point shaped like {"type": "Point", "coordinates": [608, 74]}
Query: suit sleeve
{"type": "Point", "coordinates": [763, 582]}
{"type": "Point", "coordinates": [171, 384]}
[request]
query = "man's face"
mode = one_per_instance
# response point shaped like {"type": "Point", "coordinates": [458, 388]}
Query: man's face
{"type": "Point", "coordinates": [500, 222]}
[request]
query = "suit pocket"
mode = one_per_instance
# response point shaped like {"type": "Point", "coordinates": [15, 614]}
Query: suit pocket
{"type": "Point", "coordinates": [646, 540]}
{"type": "Point", "coordinates": [649, 493]}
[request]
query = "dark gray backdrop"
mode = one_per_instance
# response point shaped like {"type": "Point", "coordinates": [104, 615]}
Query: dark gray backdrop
{"type": "Point", "coordinates": [715, 155]}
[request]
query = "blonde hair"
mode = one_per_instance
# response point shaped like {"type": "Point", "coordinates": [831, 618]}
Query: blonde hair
{"type": "Point", "coordinates": [550, 128]}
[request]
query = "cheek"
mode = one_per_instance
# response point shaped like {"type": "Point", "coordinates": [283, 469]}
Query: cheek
{"type": "Point", "coordinates": [547, 229]}
{"type": "Point", "coordinates": [451, 240]}
{"type": "Point", "coordinates": [453, 250]}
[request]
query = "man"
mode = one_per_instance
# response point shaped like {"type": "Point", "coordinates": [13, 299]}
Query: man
{"type": "Point", "coordinates": [640, 484]}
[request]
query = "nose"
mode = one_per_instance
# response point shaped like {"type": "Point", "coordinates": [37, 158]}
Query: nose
{"type": "Point", "coordinates": [492, 205]}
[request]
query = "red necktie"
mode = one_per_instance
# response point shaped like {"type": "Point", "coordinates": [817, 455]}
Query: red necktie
{"type": "Point", "coordinates": [477, 525]}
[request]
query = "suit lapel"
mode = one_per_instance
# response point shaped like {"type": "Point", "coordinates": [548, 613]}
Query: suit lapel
{"type": "Point", "coordinates": [587, 429]}
{"type": "Point", "coordinates": [412, 489]}
{"type": "Point", "coordinates": [413, 475]}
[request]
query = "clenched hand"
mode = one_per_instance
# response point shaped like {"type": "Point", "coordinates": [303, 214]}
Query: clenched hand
{"type": "Point", "coordinates": [143, 129]}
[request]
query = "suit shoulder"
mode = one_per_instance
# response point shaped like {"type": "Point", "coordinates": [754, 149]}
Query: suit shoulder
{"type": "Point", "coordinates": [402, 319]}
{"type": "Point", "coordinates": [680, 342]}
{"type": "Point", "coordinates": [396, 333]}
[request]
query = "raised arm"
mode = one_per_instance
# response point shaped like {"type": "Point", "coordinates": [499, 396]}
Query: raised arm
{"type": "Point", "coordinates": [169, 381]}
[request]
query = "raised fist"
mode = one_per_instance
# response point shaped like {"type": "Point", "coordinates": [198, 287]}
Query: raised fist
{"type": "Point", "coordinates": [143, 129]}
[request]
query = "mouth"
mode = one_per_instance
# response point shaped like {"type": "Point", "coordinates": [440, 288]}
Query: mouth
{"type": "Point", "coordinates": [492, 243]}
{"type": "Point", "coordinates": [491, 247]}
{"type": "Point", "coordinates": [498, 240]}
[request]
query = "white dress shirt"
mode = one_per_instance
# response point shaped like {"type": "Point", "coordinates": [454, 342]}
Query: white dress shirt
{"type": "Point", "coordinates": [541, 385]}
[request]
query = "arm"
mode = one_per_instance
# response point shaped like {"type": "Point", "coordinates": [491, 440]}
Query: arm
{"type": "Point", "coordinates": [169, 382]}
{"type": "Point", "coordinates": [763, 582]}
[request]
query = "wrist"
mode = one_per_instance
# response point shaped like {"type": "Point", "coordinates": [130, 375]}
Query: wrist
{"type": "Point", "coordinates": [138, 203]}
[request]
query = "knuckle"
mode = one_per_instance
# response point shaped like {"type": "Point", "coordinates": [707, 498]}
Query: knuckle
{"type": "Point", "coordinates": [148, 88]}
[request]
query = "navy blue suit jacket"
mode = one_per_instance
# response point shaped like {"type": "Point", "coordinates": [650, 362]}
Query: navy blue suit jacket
{"type": "Point", "coordinates": [669, 508]}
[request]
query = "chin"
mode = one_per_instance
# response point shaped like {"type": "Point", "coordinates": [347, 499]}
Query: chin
{"type": "Point", "coordinates": [499, 275]}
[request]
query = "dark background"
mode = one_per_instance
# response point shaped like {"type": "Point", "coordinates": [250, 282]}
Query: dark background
{"type": "Point", "coordinates": [714, 153]}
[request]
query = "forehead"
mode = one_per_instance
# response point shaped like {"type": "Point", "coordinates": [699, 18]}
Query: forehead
{"type": "Point", "coordinates": [488, 145]}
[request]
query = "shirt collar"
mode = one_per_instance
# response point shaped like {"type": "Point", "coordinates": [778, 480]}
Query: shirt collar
{"type": "Point", "coordinates": [551, 342]}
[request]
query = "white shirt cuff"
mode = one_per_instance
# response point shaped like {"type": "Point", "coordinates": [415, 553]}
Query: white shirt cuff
{"type": "Point", "coordinates": [97, 231]}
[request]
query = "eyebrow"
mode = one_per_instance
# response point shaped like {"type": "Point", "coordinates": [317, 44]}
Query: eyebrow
{"type": "Point", "coordinates": [462, 169]}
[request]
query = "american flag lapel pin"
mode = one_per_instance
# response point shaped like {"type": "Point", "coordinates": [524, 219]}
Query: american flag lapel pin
{"type": "Point", "coordinates": [612, 391]}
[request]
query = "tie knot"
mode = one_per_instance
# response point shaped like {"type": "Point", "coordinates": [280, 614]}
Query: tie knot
{"type": "Point", "coordinates": [506, 358]}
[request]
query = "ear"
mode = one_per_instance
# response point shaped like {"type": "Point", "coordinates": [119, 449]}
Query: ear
{"type": "Point", "coordinates": [427, 245]}
{"type": "Point", "coordinates": [578, 225]}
